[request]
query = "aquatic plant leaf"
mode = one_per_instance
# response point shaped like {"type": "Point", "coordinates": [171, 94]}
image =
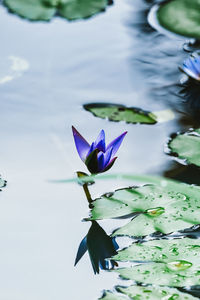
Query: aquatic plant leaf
{"type": "Point", "coordinates": [110, 296]}
{"type": "Point", "coordinates": [44, 10]}
{"type": "Point", "coordinates": [34, 10]}
{"type": "Point", "coordinates": [184, 249]}
{"type": "Point", "coordinates": [181, 17]}
{"type": "Point", "coordinates": [153, 293]}
{"type": "Point", "coordinates": [115, 112]}
{"type": "Point", "coordinates": [162, 274]}
{"type": "Point", "coordinates": [2, 183]}
{"type": "Point", "coordinates": [80, 9]}
{"type": "Point", "coordinates": [119, 112]}
{"type": "Point", "coordinates": [186, 146]}
{"type": "Point", "coordinates": [173, 206]}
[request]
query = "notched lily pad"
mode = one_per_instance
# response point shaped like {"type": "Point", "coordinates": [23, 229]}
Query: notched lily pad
{"type": "Point", "coordinates": [181, 17]}
{"type": "Point", "coordinates": [161, 274]}
{"type": "Point", "coordinates": [186, 147]}
{"type": "Point", "coordinates": [45, 10]}
{"type": "Point", "coordinates": [175, 206]}
{"type": "Point", "coordinates": [133, 115]}
{"type": "Point", "coordinates": [185, 250]}
{"type": "Point", "coordinates": [153, 293]}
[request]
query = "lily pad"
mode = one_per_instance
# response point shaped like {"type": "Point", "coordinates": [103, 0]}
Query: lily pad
{"type": "Point", "coordinates": [133, 115]}
{"type": "Point", "coordinates": [186, 146]}
{"type": "Point", "coordinates": [45, 10]}
{"type": "Point", "coordinates": [163, 274]}
{"type": "Point", "coordinates": [167, 208]}
{"type": "Point", "coordinates": [181, 17]}
{"type": "Point", "coordinates": [110, 296]}
{"type": "Point", "coordinates": [153, 293]}
{"type": "Point", "coordinates": [118, 112]}
{"type": "Point", "coordinates": [184, 249]}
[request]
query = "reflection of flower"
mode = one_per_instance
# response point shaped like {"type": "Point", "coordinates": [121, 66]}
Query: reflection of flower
{"type": "Point", "coordinates": [191, 66]}
{"type": "Point", "coordinates": [97, 157]}
{"type": "Point", "coordinates": [100, 246]}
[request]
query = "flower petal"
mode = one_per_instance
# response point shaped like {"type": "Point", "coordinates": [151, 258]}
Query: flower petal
{"type": "Point", "coordinates": [100, 142]}
{"type": "Point", "coordinates": [107, 156]}
{"type": "Point", "coordinates": [100, 158]}
{"type": "Point", "coordinates": [109, 165]}
{"type": "Point", "coordinates": [115, 144]}
{"type": "Point", "coordinates": [82, 145]}
{"type": "Point", "coordinates": [81, 250]}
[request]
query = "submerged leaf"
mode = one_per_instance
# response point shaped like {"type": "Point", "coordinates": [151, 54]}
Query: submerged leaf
{"type": "Point", "coordinates": [153, 293]}
{"type": "Point", "coordinates": [181, 17]}
{"type": "Point", "coordinates": [175, 206]}
{"type": "Point", "coordinates": [186, 146]}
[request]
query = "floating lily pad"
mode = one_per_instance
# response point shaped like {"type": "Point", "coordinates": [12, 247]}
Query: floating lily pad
{"type": "Point", "coordinates": [153, 293]}
{"type": "Point", "coordinates": [115, 112]}
{"type": "Point", "coordinates": [181, 17]}
{"type": "Point", "coordinates": [187, 146]}
{"type": "Point", "coordinates": [167, 208]}
{"type": "Point", "coordinates": [162, 274]}
{"type": "Point", "coordinates": [44, 10]}
{"type": "Point", "coordinates": [162, 251]}
{"type": "Point", "coordinates": [119, 112]}
{"type": "Point", "coordinates": [110, 296]}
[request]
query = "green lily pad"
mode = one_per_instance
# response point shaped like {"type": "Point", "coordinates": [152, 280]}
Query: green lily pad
{"type": "Point", "coordinates": [153, 293]}
{"type": "Point", "coordinates": [110, 296]}
{"type": "Point", "coordinates": [34, 10]}
{"type": "Point", "coordinates": [115, 112]}
{"type": "Point", "coordinates": [187, 146]}
{"type": "Point", "coordinates": [80, 9]}
{"type": "Point", "coordinates": [181, 17]}
{"type": "Point", "coordinates": [167, 208]}
{"type": "Point", "coordinates": [133, 115]}
{"type": "Point", "coordinates": [162, 274]}
{"type": "Point", "coordinates": [45, 10]}
{"type": "Point", "coordinates": [162, 251]}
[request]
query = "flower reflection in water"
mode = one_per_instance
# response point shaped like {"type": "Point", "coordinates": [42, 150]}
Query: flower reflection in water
{"type": "Point", "coordinates": [100, 247]}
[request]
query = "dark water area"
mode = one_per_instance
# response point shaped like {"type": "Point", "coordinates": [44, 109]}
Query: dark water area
{"type": "Point", "coordinates": [48, 71]}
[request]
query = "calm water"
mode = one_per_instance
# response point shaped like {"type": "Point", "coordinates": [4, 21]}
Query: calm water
{"type": "Point", "coordinates": [47, 72]}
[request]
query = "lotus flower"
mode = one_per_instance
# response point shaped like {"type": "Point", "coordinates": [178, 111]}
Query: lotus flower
{"type": "Point", "coordinates": [100, 247]}
{"type": "Point", "coordinates": [97, 157]}
{"type": "Point", "coordinates": [191, 67]}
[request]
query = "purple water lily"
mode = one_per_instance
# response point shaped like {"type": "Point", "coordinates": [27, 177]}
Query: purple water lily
{"type": "Point", "coordinates": [191, 66]}
{"type": "Point", "coordinates": [97, 157]}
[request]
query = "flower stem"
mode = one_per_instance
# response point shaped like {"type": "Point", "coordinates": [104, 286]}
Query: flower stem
{"type": "Point", "coordinates": [85, 187]}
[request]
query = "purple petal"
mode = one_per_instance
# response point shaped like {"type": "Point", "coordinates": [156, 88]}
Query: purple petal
{"type": "Point", "coordinates": [191, 67]}
{"type": "Point", "coordinates": [115, 144]}
{"type": "Point", "coordinates": [100, 158]}
{"type": "Point", "coordinates": [82, 145]}
{"type": "Point", "coordinates": [109, 165]}
{"type": "Point", "coordinates": [100, 141]}
{"type": "Point", "coordinates": [107, 156]}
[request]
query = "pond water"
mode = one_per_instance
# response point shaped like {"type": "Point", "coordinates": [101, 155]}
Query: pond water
{"type": "Point", "coordinates": [47, 72]}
